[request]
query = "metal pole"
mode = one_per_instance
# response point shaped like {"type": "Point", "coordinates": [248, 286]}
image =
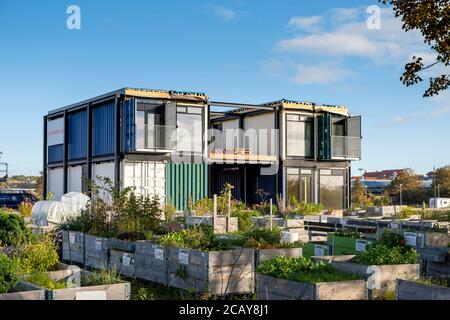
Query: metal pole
{"type": "Point", "coordinates": [438, 191]}
{"type": "Point", "coordinates": [401, 196]}
{"type": "Point", "coordinates": [271, 215]}
{"type": "Point", "coordinates": [229, 212]}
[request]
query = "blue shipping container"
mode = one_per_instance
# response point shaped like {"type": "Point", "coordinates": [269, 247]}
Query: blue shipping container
{"type": "Point", "coordinates": [103, 130]}
{"type": "Point", "coordinates": [130, 125]}
{"type": "Point", "coordinates": [77, 135]}
{"type": "Point", "coordinates": [55, 153]}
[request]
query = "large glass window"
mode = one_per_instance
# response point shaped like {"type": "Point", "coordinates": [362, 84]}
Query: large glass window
{"type": "Point", "coordinates": [299, 136]}
{"type": "Point", "coordinates": [299, 185]}
{"type": "Point", "coordinates": [190, 129]}
{"type": "Point", "coordinates": [332, 189]}
{"type": "Point", "coordinates": [149, 129]}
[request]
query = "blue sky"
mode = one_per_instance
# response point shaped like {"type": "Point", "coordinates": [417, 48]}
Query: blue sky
{"type": "Point", "coordinates": [245, 51]}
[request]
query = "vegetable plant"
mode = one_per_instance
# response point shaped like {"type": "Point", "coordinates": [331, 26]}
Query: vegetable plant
{"type": "Point", "coordinates": [102, 277]}
{"type": "Point", "coordinates": [303, 270]}
{"type": "Point", "coordinates": [42, 279]}
{"type": "Point", "coordinates": [13, 230]}
{"type": "Point", "coordinates": [8, 274]}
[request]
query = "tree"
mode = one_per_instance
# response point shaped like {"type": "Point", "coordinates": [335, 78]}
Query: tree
{"type": "Point", "coordinates": [412, 189]}
{"type": "Point", "coordinates": [443, 181]}
{"type": "Point", "coordinates": [432, 19]}
{"type": "Point", "coordinates": [360, 199]}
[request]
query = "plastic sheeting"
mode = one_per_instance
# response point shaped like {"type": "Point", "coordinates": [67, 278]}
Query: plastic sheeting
{"type": "Point", "coordinates": [57, 212]}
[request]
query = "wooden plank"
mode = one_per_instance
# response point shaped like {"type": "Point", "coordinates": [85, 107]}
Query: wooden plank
{"type": "Point", "coordinates": [408, 290]}
{"type": "Point", "coordinates": [290, 290]}
{"type": "Point", "coordinates": [24, 291]}
{"type": "Point", "coordinates": [96, 252]}
{"type": "Point", "coordinates": [263, 255]}
{"type": "Point", "coordinates": [73, 247]}
{"type": "Point", "coordinates": [438, 269]}
{"type": "Point", "coordinates": [342, 290]}
{"type": "Point", "coordinates": [119, 291]}
{"type": "Point", "coordinates": [149, 266]}
{"type": "Point", "coordinates": [121, 265]}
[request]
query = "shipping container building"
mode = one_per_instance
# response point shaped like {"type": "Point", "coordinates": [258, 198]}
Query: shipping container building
{"type": "Point", "coordinates": [183, 147]}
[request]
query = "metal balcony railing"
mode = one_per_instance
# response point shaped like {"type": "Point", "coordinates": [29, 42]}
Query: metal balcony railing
{"type": "Point", "coordinates": [156, 137]}
{"type": "Point", "coordinates": [345, 147]}
{"type": "Point", "coordinates": [251, 145]}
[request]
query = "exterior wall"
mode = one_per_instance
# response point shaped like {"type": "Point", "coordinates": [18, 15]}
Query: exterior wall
{"type": "Point", "coordinates": [147, 177]}
{"type": "Point", "coordinates": [75, 176]}
{"type": "Point", "coordinates": [103, 126]}
{"type": "Point", "coordinates": [261, 121]}
{"type": "Point", "coordinates": [55, 178]}
{"type": "Point", "coordinates": [104, 170]}
{"type": "Point", "coordinates": [77, 135]}
{"type": "Point", "coordinates": [230, 124]}
{"type": "Point", "coordinates": [185, 182]}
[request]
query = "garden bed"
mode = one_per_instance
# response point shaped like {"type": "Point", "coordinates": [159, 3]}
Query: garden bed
{"type": "Point", "coordinates": [263, 255]}
{"type": "Point", "coordinates": [219, 224]}
{"type": "Point", "coordinates": [342, 245]}
{"type": "Point", "coordinates": [270, 288]}
{"type": "Point", "coordinates": [96, 252]}
{"type": "Point", "coordinates": [24, 291]}
{"type": "Point", "coordinates": [73, 247]}
{"type": "Point", "coordinates": [319, 249]}
{"type": "Point", "coordinates": [151, 262]}
{"type": "Point", "coordinates": [217, 273]}
{"type": "Point", "coordinates": [409, 290]}
{"type": "Point", "coordinates": [284, 278]}
{"type": "Point", "coordinates": [380, 277]}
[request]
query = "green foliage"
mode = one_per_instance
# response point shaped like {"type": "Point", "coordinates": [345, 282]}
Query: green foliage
{"type": "Point", "coordinates": [197, 238]}
{"type": "Point", "coordinates": [303, 270]}
{"type": "Point", "coordinates": [304, 208]}
{"type": "Point", "coordinates": [348, 233]}
{"type": "Point", "coordinates": [101, 278]}
{"type": "Point", "coordinates": [169, 212]}
{"type": "Point", "coordinates": [441, 282]}
{"type": "Point", "coordinates": [430, 18]}
{"type": "Point", "coordinates": [412, 189]}
{"type": "Point", "coordinates": [124, 214]}
{"type": "Point", "coordinates": [407, 212]}
{"type": "Point", "coordinates": [40, 256]}
{"type": "Point", "coordinates": [42, 279]}
{"type": "Point", "coordinates": [143, 294]}
{"type": "Point", "coordinates": [25, 209]}
{"type": "Point", "coordinates": [245, 220]}
{"type": "Point", "coordinates": [203, 207]}
{"type": "Point", "coordinates": [360, 198]}
{"type": "Point", "coordinates": [13, 230]}
{"type": "Point", "coordinates": [8, 274]}
{"type": "Point", "coordinates": [264, 209]}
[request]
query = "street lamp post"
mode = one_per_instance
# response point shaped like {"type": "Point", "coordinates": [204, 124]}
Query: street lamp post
{"type": "Point", "coordinates": [401, 196]}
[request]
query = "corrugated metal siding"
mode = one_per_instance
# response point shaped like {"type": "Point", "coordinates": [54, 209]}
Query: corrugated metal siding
{"type": "Point", "coordinates": [56, 153]}
{"type": "Point", "coordinates": [130, 125]}
{"type": "Point", "coordinates": [77, 135]}
{"type": "Point", "coordinates": [103, 129]}
{"type": "Point", "coordinates": [221, 175]}
{"type": "Point", "coordinates": [185, 181]}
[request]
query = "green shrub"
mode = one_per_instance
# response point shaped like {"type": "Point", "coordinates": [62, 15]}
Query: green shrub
{"type": "Point", "coordinates": [101, 278]}
{"type": "Point", "coordinates": [348, 233]}
{"type": "Point", "coordinates": [41, 256]}
{"type": "Point", "coordinates": [303, 208]}
{"type": "Point", "coordinates": [203, 207]}
{"type": "Point", "coordinates": [197, 238]}
{"type": "Point", "coordinates": [407, 212]}
{"type": "Point", "coordinates": [245, 220]}
{"type": "Point", "coordinates": [13, 230]}
{"type": "Point", "coordinates": [42, 279]}
{"type": "Point", "coordinates": [381, 254]}
{"type": "Point", "coordinates": [303, 270]}
{"type": "Point", "coordinates": [264, 209]}
{"type": "Point", "coordinates": [8, 274]}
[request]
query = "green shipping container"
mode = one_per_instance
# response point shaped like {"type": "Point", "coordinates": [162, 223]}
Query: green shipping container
{"type": "Point", "coordinates": [184, 182]}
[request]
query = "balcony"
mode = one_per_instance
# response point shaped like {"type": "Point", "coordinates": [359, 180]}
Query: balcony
{"type": "Point", "coordinates": [345, 148]}
{"type": "Point", "coordinates": [156, 138]}
{"type": "Point", "coordinates": [253, 146]}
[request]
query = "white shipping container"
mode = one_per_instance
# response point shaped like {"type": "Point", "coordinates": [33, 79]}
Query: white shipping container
{"type": "Point", "coordinates": [75, 176]}
{"type": "Point", "coordinates": [147, 177]}
{"type": "Point", "coordinates": [55, 182]}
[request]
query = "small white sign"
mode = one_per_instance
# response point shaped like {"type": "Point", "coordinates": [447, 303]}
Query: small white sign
{"type": "Point", "coordinates": [98, 245]}
{"type": "Point", "coordinates": [410, 239]}
{"type": "Point", "coordinates": [361, 245]}
{"type": "Point", "coordinates": [126, 260]}
{"type": "Point", "coordinates": [183, 256]}
{"type": "Point", "coordinates": [91, 295]}
{"type": "Point", "coordinates": [71, 238]}
{"type": "Point", "coordinates": [394, 225]}
{"type": "Point", "coordinates": [159, 253]}
{"type": "Point", "coordinates": [319, 251]}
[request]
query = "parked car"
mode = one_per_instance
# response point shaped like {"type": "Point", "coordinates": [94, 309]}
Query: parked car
{"type": "Point", "coordinates": [12, 199]}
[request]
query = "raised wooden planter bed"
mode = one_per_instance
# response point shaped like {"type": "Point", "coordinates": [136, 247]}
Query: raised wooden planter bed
{"type": "Point", "coordinates": [216, 273]}
{"type": "Point", "coordinates": [409, 290]}
{"type": "Point", "coordinates": [270, 288]}
{"type": "Point", "coordinates": [263, 255]}
{"type": "Point", "coordinates": [73, 247]}
{"type": "Point", "coordinates": [312, 249]}
{"type": "Point", "coordinates": [96, 252]}
{"type": "Point", "coordinates": [151, 262]}
{"type": "Point", "coordinates": [24, 291]}
{"type": "Point", "coordinates": [122, 257]}
{"type": "Point", "coordinates": [380, 278]}
{"type": "Point", "coordinates": [219, 223]}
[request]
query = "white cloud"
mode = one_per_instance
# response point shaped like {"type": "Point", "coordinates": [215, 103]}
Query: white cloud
{"type": "Point", "coordinates": [345, 14]}
{"type": "Point", "coordinates": [437, 112]}
{"type": "Point", "coordinates": [224, 13]}
{"type": "Point", "coordinates": [305, 23]}
{"type": "Point", "coordinates": [320, 74]}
